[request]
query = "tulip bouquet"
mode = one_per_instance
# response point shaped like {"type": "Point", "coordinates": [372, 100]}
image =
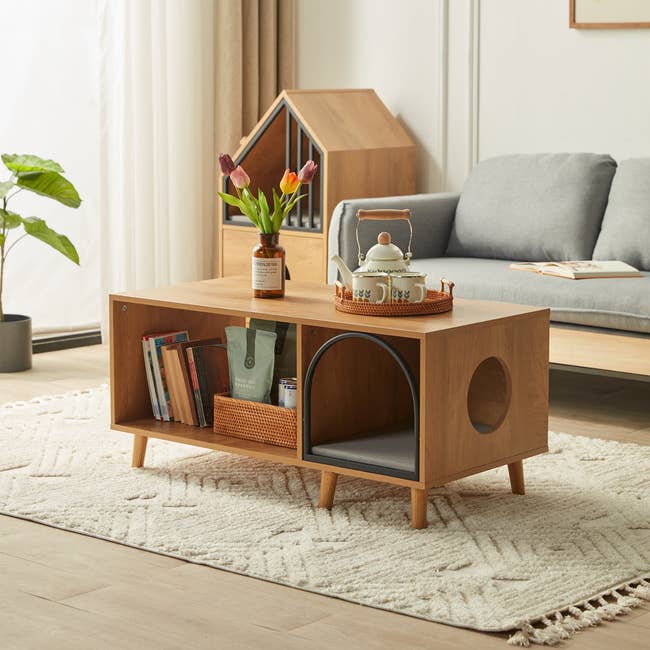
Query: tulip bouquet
{"type": "Point", "coordinates": [257, 208]}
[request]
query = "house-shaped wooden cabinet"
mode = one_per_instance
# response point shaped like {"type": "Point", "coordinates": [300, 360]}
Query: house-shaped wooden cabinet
{"type": "Point", "coordinates": [361, 150]}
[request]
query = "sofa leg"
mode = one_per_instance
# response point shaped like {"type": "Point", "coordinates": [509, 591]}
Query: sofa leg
{"type": "Point", "coordinates": [418, 508]}
{"type": "Point", "coordinates": [516, 471]}
{"type": "Point", "coordinates": [327, 489]}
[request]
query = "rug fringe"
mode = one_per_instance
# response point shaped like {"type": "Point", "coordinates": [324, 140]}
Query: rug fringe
{"type": "Point", "coordinates": [560, 625]}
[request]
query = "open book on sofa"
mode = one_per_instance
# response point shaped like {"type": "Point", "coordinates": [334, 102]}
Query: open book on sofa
{"type": "Point", "coordinates": [580, 270]}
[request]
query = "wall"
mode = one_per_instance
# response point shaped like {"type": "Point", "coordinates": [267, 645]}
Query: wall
{"type": "Point", "coordinates": [382, 44]}
{"type": "Point", "coordinates": [472, 79]}
{"type": "Point", "coordinates": [49, 107]}
{"type": "Point", "coordinates": [545, 87]}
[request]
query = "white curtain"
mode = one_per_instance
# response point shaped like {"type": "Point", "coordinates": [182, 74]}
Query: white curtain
{"type": "Point", "coordinates": [157, 158]}
{"type": "Point", "coordinates": [49, 107]}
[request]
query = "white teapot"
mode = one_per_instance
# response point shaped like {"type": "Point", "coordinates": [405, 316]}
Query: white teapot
{"type": "Point", "coordinates": [384, 256]}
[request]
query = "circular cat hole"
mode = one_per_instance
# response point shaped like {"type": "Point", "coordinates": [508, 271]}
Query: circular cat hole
{"type": "Point", "coordinates": [488, 396]}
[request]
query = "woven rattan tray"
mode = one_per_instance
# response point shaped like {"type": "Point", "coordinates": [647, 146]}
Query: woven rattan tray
{"type": "Point", "coordinates": [436, 302]}
{"type": "Point", "coordinates": [274, 425]}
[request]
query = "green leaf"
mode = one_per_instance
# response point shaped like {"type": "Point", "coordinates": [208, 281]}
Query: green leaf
{"type": "Point", "coordinates": [2, 240]}
{"type": "Point", "coordinates": [250, 208]}
{"type": "Point", "coordinates": [52, 185]}
{"type": "Point", "coordinates": [40, 230]}
{"type": "Point", "coordinates": [264, 211]}
{"type": "Point", "coordinates": [290, 205]}
{"type": "Point", "coordinates": [278, 212]}
{"type": "Point", "coordinates": [9, 220]}
{"type": "Point", "coordinates": [239, 203]}
{"type": "Point", "coordinates": [5, 188]}
{"type": "Point", "coordinates": [230, 200]}
{"type": "Point", "coordinates": [21, 163]}
{"type": "Point", "coordinates": [250, 198]}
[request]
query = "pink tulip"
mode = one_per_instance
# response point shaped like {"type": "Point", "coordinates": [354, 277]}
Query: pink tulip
{"type": "Point", "coordinates": [227, 164]}
{"type": "Point", "coordinates": [240, 178]}
{"type": "Point", "coordinates": [307, 172]}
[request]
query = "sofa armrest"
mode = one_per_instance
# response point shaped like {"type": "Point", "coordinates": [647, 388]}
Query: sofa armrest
{"type": "Point", "coordinates": [432, 216]}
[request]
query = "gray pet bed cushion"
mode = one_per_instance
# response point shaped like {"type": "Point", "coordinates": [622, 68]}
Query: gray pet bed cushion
{"type": "Point", "coordinates": [393, 450]}
{"type": "Point", "coordinates": [533, 207]}
{"type": "Point", "coordinates": [625, 234]}
{"type": "Point", "coordinates": [617, 303]}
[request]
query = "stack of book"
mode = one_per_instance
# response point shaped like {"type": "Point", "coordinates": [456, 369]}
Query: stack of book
{"type": "Point", "coordinates": [183, 375]}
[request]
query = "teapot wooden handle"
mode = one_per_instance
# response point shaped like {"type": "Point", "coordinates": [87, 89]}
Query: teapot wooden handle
{"type": "Point", "coordinates": [383, 215]}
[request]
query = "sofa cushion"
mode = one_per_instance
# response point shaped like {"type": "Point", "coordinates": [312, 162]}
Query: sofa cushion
{"type": "Point", "coordinates": [625, 233]}
{"type": "Point", "coordinates": [533, 207]}
{"type": "Point", "coordinates": [617, 303]}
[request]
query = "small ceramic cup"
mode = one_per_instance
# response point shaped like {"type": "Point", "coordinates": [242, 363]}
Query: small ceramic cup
{"type": "Point", "coordinates": [370, 286]}
{"type": "Point", "coordinates": [408, 286]}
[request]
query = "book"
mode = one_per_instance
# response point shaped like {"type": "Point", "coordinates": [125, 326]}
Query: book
{"type": "Point", "coordinates": [155, 405]}
{"type": "Point", "coordinates": [196, 394]}
{"type": "Point", "coordinates": [209, 372]}
{"type": "Point", "coordinates": [171, 363]}
{"type": "Point", "coordinates": [178, 365]}
{"type": "Point", "coordinates": [580, 270]}
{"type": "Point", "coordinates": [156, 343]}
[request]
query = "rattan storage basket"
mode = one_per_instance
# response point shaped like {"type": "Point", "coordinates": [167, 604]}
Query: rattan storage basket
{"type": "Point", "coordinates": [273, 425]}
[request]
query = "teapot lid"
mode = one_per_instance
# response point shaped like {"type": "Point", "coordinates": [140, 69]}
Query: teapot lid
{"type": "Point", "coordinates": [384, 250]}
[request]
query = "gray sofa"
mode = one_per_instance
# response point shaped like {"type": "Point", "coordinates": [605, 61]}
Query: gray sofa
{"type": "Point", "coordinates": [528, 208]}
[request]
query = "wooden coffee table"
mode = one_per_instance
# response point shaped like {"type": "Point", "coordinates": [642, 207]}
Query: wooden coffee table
{"type": "Point", "coordinates": [415, 401]}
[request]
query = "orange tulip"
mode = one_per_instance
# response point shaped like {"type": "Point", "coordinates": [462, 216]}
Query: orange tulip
{"type": "Point", "coordinates": [290, 182]}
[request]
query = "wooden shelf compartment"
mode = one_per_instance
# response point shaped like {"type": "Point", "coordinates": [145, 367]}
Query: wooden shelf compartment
{"type": "Point", "coordinates": [130, 400]}
{"type": "Point", "coordinates": [361, 410]}
{"type": "Point", "coordinates": [279, 142]}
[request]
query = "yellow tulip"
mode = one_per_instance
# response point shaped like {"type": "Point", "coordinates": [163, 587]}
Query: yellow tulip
{"type": "Point", "coordinates": [290, 182]}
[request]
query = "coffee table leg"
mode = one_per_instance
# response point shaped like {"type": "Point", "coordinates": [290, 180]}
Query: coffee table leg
{"type": "Point", "coordinates": [139, 450]}
{"type": "Point", "coordinates": [418, 508]}
{"type": "Point", "coordinates": [327, 489]}
{"type": "Point", "coordinates": [516, 471]}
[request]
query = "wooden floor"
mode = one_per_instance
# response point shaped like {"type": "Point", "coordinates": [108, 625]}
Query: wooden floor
{"type": "Point", "coordinates": [63, 590]}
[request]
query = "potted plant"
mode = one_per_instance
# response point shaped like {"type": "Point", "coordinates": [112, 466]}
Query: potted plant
{"type": "Point", "coordinates": [268, 256]}
{"type": "Point", "coordinates": [43, 177]}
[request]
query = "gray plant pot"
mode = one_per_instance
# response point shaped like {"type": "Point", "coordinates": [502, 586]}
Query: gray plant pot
{"type": "Point", "coordinates": [15, 343]}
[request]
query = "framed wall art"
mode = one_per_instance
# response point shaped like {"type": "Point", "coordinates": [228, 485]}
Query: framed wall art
{"type": "Point", "coordinates": [609, 14]}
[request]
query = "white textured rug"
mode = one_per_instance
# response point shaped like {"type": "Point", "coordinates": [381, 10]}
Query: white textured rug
{"type": "Point", "coordinates": [571, 552]}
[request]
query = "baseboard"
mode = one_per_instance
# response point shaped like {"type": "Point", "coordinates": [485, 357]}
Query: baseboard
{"type": "Point", "coordinates": [66, 341]}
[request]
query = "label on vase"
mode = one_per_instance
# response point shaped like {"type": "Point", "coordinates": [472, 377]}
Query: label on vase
{"type": "Point", "coordinates": [267, 273]}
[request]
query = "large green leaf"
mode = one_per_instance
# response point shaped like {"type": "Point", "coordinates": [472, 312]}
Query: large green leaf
{"type": "Point", "coordinates": [20, 163]}
{"type": "Point", "coordinates": [38, 228]}
{"type": "Point", "coordinates": [5, 188]}
{"type": "Point", "coordinates": [9, 219]}
{"type": "Point", "coordinates": [52, 185]}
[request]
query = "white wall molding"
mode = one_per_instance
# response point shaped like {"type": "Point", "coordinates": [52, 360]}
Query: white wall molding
{"type": "Point", "coordinates": [462, 91]}
{"type": "Point", "coordinates": [443, 91]}
{"type": "Point", "coordinates": [473, 79]}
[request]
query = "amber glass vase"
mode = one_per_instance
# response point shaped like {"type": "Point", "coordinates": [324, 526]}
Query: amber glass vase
{"type": "Point", "coordinates": [268, 267]}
